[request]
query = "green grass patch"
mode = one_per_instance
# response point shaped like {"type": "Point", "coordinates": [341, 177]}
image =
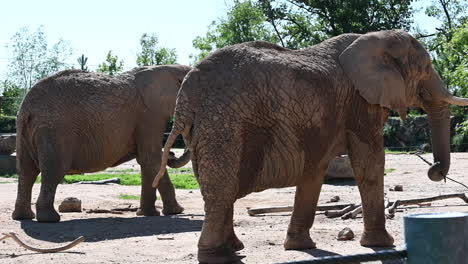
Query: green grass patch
{"type": "Point", "coordinates": [180, 180]}
{"type": "Point", "coordinates": [184, 181]}
{"type": "Point", "coordinates": [389, 170]}
{"type": "Point", "coordinates": [129, 197]}
{"type": "Point", "coordinates": [9, 176]}
{"type": "Point", "coordinates": [387, 151]}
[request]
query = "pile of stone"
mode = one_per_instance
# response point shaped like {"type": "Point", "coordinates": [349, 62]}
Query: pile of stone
{"type": "Point", "coordinates": [7, 154]}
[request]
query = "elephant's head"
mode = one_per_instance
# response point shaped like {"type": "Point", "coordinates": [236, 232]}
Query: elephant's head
{"type": "Point", "coordinates": [393, 70]}
{"type": "Point", "coordinates": [158, 86]}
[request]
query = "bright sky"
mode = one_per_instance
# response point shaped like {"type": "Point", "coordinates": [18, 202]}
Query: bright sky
{"type": "Point", "coordinates": [93, 27]}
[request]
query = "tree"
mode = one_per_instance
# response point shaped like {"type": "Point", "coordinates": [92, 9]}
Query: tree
{"type": "Point", "coordinates": [111, 66]}
{"type": "Point", "coordinates": [11, 98]}
{"type": "Point", "coordinates": [448, 46]}
{"type": "Point", "coordinates": [32, 59]}
{"type": "Point", "coordinates": [82, 61]}
{"type": "Point", "coordinates": [244, 21]}
{"type": "Point", "coordinates": [300, 23]}
{"type": "Point", "coordinates": [152, 54]}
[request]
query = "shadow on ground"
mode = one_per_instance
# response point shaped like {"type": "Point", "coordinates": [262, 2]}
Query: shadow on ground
{"type": "Point", "coordinates": [99, 229]}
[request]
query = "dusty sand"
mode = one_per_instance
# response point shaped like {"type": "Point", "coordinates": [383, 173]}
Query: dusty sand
{"type": "Point", "coordinates": [173, 239]}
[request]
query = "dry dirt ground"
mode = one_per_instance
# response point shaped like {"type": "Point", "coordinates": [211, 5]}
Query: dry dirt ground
{"type": "Point", "coordinates": [173, 239]}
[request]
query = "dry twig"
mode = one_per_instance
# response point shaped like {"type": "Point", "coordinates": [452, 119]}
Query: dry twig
{"type": "Point", "coordinates": [284, 209]}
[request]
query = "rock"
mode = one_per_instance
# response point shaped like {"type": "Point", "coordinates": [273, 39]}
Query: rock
{"type": "Point", "coordinates": [7, 145]}
{"type": "Point", "coordinates": [397, 188]}
{"type": "Point", "coordinates": [334, 199]}
{"type": "Point", "coordinates": [8, 164]}
{"type": "Point", "coordinates": [345, 234]}
{"type": "Point", "coordinates": [339, 168]}
{"type": "Point", "coordinates": [70, 204]}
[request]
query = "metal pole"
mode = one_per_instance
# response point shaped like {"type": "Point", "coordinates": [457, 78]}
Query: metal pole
{"type": "Point", "coordinates": [437, 238]}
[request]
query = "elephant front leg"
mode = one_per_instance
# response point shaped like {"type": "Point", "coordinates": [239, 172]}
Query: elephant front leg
{"type": "Point", "coordinates": [168, 196]}
{"type": "Point", "coordinates": [148, 193]}
{"type": "Point", "coordinates": [305, 203]}
{"type": "Point", "coordinates": [368, 162]}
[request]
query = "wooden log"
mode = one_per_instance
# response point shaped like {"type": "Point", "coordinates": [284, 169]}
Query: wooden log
{"type": "Point", "coordinates": [338, 213]}
{"type": "Point", "coordinates": [284, 209]}
{"type": "Point", "coordinates": [106, 181]}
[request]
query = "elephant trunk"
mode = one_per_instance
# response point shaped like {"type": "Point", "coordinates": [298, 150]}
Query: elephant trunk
{"type": "Point", "coordinates": [439, 120]}
{"type": "Point", "coordinates": [175, 162]}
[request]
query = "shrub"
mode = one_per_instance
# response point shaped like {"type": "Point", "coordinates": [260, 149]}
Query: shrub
{"type": "Point", "coordinates": [7, 124]}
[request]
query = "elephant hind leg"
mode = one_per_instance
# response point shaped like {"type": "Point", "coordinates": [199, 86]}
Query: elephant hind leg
{"type": "Point", "coordinates": [305, 203]}
{"type": "Point", "coordinates": [53, 164]}
{"type": "Point", "coordinates": [28, 173]}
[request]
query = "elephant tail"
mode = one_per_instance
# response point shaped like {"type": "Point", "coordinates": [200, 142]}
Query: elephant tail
{"type": "Point", "coordinates": [177, 129]}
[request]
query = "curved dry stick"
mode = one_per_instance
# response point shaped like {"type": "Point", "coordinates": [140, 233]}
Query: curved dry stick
{"type": "Point", "coordinates": [43, 250]}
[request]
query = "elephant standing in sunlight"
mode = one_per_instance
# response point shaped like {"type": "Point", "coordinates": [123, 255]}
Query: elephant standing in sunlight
{"type": "Point", "coordinates": [77, 122]}
{"type": "Point", "coordinates": [258, 116]}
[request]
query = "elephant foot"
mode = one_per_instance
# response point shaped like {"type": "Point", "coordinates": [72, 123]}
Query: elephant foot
{"type": "Point", "coordinates": [151, 211]}
{"type": "Point", "coordinates": [235, 243]}
{"type": "Point", "coordinates": [380, 238]}
{"type": "Point", "coordinates": [21, 214]}
{"type": "Point", "coordinates": [47, 215]}
{"type": "Point", "coordinates": [172, 210]}
{"type": "Point", "coordinates": [217, 255]}
{"type": "Point", "coordinates": [299, 242]}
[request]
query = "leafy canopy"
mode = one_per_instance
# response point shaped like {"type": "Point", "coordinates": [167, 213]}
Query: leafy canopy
{"type": "Point", "coordinates": [33, 59]}
{"type": "Point", "coordinates": [152, 54]}
{"type": "Point", "coordinates": [112, 65]}
{"type": "Point", "coordinates": [243, 22]}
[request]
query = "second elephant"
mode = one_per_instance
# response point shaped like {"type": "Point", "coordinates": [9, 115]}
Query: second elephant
{"type": "Point", "coordinates": [77, 122]}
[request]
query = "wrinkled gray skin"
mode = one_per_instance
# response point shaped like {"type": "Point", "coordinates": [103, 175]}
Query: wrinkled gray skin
{"type": "Point", "coordinates": [77, 122]}
{"type": "Point", "coordinates": [258, 116]}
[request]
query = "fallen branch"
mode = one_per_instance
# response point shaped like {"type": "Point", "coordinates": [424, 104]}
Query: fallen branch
{"type": "Point", "coordinates": [353, 214]}
{"type": "Point", "coordinates": [284, 209]}
{"type": "Point", "coordinates": [103, 211]}
{"type": "Point", "coordinates": [392, 206]}
{"type": "Point", "coordinates": [106, 181]}
{"type": "Point", "coordinates": [43, 250]}
{"type": "Point", "coordinates": [338, 213]}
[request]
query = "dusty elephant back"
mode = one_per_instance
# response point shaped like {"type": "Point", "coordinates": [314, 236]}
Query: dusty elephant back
{"type": "Point", "coordinates": [265, 102]}
{"type": "Point", "coordinates": [83, 111]}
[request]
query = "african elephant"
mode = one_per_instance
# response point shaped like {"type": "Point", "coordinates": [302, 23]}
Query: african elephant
{"type": "Point", "coordinates": [258, 116]}
{"type": "Point", "coordinates": [77, 122]}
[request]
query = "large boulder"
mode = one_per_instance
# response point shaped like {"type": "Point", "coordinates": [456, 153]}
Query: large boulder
{"type": "Point", "coordinates": [7, 145]}
{"type": "Point", "coordinates": [340, 168]}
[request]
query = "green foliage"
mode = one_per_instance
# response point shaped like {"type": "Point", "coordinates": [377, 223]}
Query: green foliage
{"type": "Point", "coordinates": [244, 21]}
{"type": "Point", "coordinates": [111, 66]}
{"type": "Point", "coordinates": [129, 197]}
{"type": "Point", "coordinates": [301, 23]}
{"type": "Point", "coordinates": [7, 124]}
{"type": "Point", "coordinates": [11, 98]}
{"type": "Point", "coordinates": [460, 140]}
{"type": "Point", "coordinates": [152, 54]}
{"type": "Point", "coordinates": [449, 46]}
{"type": "Point", "coordinates": [82, 61]}
{"type": "Point", "coordinates": [33, 59]}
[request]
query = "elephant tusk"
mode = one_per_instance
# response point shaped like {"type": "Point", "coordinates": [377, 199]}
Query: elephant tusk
{"type": "Point", "coordinates": [456, 100]}
{"type": "Point", "coordinates": [43, 250]}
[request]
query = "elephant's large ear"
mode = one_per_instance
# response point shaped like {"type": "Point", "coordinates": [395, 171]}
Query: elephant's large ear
{"type": "Point", "coordinates": [374, 64]}
{"type": "Point", "coordinates": [156, 84]}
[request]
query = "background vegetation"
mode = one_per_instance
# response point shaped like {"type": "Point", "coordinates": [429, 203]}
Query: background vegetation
{"type": "Point", "coordinates": [293, 24]}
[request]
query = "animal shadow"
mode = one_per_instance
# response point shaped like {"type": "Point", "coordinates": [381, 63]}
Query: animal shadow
{"type": "Point", "coordinates": [98, 229]}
